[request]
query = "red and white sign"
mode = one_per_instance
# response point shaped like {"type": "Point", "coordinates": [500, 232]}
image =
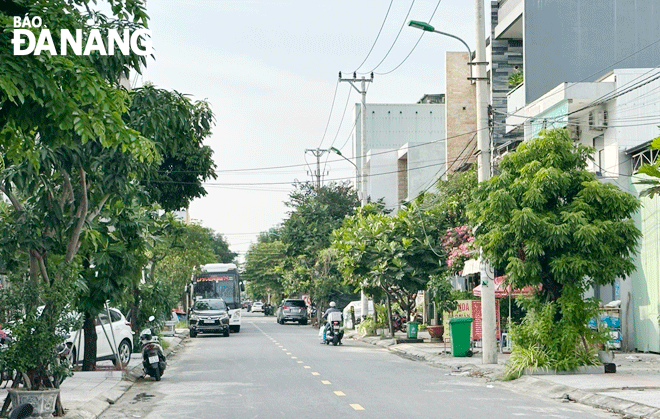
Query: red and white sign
{"type": "Point", "coordinates": [471, 308]}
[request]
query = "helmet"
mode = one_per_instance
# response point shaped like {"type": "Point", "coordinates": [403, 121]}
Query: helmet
{"type": "Point", "coordinates": [332, 304]}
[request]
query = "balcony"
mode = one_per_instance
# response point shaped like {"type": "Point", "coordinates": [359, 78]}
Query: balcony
{"type": "Point", "coordinates": [515, 100]}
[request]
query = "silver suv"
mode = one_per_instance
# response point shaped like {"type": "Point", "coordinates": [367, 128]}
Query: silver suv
{"type": "Point", "coordinates": [209, 316]}
{"type": "Point", "coordinates": [292, 310]}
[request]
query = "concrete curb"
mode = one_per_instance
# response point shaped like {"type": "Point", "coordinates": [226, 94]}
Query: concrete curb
{"type": "Point", "coordinates": [95, 408]}
{"type": "Point", "coordinates": [526, 383]}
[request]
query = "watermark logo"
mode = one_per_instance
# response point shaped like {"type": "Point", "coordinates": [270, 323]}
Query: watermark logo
{"type": "Point", "coordinates": [26, 42]}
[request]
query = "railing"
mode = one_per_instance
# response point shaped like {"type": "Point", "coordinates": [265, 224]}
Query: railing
{"type": "Point", "coordinates": [515, 99]}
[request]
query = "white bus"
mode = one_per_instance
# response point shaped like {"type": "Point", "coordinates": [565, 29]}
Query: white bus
{"type": "Point", "coordinates": [220, 280]}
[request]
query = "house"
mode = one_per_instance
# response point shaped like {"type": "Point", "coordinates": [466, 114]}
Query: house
{"type": "Point", "coordinates": [405, 148]}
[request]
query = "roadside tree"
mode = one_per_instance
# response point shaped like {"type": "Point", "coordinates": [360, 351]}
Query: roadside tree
{"type": "Point", "coordinates": [548, 223]}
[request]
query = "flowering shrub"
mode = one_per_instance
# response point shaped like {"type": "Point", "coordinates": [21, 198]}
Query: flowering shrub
{"type": "Point", "coordinates": [458, 243]}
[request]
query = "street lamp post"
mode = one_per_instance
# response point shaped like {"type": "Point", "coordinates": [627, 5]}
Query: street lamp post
{"type": "Point", "coordinates": [364, 303]}
{"type": "Point", "coordinates": [488, 325]}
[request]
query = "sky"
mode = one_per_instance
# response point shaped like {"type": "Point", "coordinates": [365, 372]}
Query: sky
{"type": "Point", "coordinates": [269, 69]}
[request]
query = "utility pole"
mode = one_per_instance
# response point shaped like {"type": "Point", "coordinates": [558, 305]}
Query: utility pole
{"type": "Point", "coordinates": [488, 326]}
{"type": "Point", "coordinates": [318, 153]}
{"type": "Point", "coordinates": [362, 190]}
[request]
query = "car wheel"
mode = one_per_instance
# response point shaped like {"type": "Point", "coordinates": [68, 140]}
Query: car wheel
{"type": "Point", "coordinates": [235, 329]}
{"type": "Point", "coordinates": [226, 333]}
{"type": "Point", "coordinates": [303, 321]}
{"type": "Point", "coordinates": [193, 334]}
{"type": "Point", "coordinates": [123, 353]}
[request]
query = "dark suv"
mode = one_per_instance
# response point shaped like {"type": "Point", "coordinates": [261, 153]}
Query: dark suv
{"type": "Point", "coordinates": [292, 310]}
{"type": "Point", "coordinates": [209, 316]}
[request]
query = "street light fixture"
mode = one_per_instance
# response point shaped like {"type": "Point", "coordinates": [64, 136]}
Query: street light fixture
{"type": "Point", "coordinates": [428, 28]}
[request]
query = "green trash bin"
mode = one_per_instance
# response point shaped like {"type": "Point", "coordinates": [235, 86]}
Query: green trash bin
{"type": "Point", "coordinates": [459, 329]}
{"type": "Point", "coordinates": [412, 330]}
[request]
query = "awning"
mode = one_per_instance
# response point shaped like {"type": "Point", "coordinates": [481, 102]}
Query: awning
{"type": "Point", "coordinates": [471, 267]}
{"type": "Point", "coordinates": [502, 290]}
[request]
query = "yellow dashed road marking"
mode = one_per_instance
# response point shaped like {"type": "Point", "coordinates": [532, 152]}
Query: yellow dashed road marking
{"type": "Point", "coordinates": [326, 382]}
{"type": "Point", "coordinates": [288, 353]}
{"type": "Point", "coordinates": [300, 362]}
{"type": "Point", "coordinates": [293, 357]}
{"type": "Point", "coordinates": [315, 373]}
{"type": "Point", "coordinates": [340, 393]}
{"type": "Point", "coordinates": [308, 367]}
{"type": "Point", "coordinates": [356, 406]}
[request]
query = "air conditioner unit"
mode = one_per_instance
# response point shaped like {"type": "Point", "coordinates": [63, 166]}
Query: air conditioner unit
{"type": "Point", "coordinates": [598, 120]}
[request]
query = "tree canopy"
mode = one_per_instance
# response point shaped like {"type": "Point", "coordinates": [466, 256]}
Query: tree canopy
{"type": "Point", "coordinates": [546, 220]}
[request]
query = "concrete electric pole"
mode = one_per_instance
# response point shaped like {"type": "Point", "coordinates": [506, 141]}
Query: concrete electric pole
{"type": "Point", "coordinates": [362, 191]}
{"type": "Point", "coordinates": [488, 326]}
{"type": "Point", "coordinates": [318, 153]}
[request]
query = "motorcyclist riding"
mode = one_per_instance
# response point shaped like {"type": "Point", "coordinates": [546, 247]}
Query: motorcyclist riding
{"type": "Point", "coordinates": [332, 309]}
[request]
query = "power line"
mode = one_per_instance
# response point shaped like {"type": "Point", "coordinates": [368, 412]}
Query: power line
{"type": "Point", "coordinates": [414, 46]}
{"type": "Point", "coordinates": [395, 39]}
{"type": "Point", "coordinates": [377, 36]}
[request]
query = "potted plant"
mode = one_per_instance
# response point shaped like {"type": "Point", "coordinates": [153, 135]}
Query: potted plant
{"type": "Point", "coordinates": [440, 290]}
{"type": "Point", "coordinates": [32, 353]}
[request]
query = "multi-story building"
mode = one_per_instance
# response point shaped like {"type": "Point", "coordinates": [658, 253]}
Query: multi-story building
{"type": "Point", "coordinates": [556, 41]}
{"type": "Point", "coordinates": [618, 115]}
{"type": "Point", "coordinates": [405, 148]}
{"type": "Point", "coordinates": [590, 66]}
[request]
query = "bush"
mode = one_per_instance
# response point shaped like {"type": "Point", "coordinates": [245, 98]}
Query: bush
{"type": "Point", "coordinates": [548, 337]}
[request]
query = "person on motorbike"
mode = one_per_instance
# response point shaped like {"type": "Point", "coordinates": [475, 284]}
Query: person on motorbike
{"type": "Point", "coordinates": [332, 309]}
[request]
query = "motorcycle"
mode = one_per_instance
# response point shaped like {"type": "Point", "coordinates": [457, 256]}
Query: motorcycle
{"type": "Point", "coordinates": [332, 333]}
{"type": "Point", "coordinates": [153, 359]}
{"type": "Point", "coordinates": [268, 310]}
{"type": "Point", "coordinates": [398, 322]}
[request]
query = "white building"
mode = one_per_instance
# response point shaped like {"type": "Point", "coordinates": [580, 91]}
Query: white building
{"type": "Point", "coordinates": [618, 115]}
{"type": "Point", "coordinates": [405, 149]}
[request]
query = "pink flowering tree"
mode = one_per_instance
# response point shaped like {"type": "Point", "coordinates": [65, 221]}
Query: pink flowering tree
{"type": "Point", "coordinates": [458, 244]}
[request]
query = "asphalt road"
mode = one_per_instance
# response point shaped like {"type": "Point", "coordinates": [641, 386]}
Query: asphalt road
{"type": "Point", "coordinates": [281, 371]}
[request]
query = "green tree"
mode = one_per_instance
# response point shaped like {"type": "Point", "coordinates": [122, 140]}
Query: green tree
{"type": "Point", "coordinates": [395, 255]}
{"type": "Point", "coordinates": [315, 213]}
{"type": "Point", "coordinates": [547, 221]}
{"type": "Point", "coordinates": [221, 248]}
{"type": "Point", "coordinates": [178, 127]}
{"type": "Point", "coordinates": [66, 154]}
{"type": "Point", "coordinates": [262, 268]}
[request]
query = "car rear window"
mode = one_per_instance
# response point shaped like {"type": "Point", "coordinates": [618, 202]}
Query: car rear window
{"type": "Point", "coordinates": [294, 303]}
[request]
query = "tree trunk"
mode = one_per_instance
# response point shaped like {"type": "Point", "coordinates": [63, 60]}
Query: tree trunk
{"type": "Point", "coordinates": [389, 314]}
{"type": "Point", "coordinates": [135, 308]}
{"type": "Point", "coordinates": [89, 358]}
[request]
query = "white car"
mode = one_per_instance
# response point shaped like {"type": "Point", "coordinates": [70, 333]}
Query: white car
{"type": "Point", "coordinates": [119, 328]}
{"type": "Point", "coordinates": [257, 306]}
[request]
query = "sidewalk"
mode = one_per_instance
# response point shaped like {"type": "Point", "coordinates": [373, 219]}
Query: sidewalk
{"type": "Point", "coordinates": [633, 391]}
{"type": "Point", "coordinates": [88, 394]}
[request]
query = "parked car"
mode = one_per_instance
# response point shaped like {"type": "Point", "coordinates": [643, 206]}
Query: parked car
{"type": "Point", "coordinates": [293, 310]}
{"type": "Point", "coordinates": [257, 306]}
{"type": "Point", "coordinates": [209, 315]}
{"type": "Point", "coordinates": [118, 328]}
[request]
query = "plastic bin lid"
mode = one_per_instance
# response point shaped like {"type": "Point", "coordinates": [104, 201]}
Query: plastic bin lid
{"type": "Point", "coordinates": [461, 320]}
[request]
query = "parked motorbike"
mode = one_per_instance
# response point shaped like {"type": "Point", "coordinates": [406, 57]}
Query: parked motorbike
{"type": "Point", "coordinates": [268, 310]}
{"type": "Point", "coordinates": [398, 321]}
{"type": "Point", "coordinates": [332, 333]}
{"type": "Point", "coordinates": [153, 359]}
